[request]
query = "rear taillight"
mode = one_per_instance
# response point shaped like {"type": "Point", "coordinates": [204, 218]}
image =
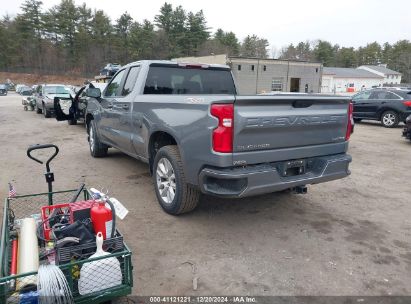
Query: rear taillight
{"type": "Point", "coordinates": [407, 103]}
{"type": "Point", "coordinates": [223, 134]}
{"type": "Point", "coordinates": [350, 123]}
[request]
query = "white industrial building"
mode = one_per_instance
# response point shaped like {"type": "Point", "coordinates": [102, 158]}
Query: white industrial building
{"type": "Point", "coordinates": [255, 76]}
{"type": "Point", "coordinates": [348, 80]}
{"type": "Point", "coordinates": [390, 77]}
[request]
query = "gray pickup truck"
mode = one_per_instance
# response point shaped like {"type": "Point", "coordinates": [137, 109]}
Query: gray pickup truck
{"type": "Point", "coordinates": [198, 136]}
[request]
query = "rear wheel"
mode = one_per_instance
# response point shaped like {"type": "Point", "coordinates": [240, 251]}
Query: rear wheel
{"type": "Point", "coordinates": [173, 193]}
{"type": "Point", "coordinates": [390, 119]}
{"type": "Point", "coordinates": [97, 148]}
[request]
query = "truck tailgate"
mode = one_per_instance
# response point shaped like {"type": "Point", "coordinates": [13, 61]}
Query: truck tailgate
{"type": "Point", "coordinates": [266, 123]}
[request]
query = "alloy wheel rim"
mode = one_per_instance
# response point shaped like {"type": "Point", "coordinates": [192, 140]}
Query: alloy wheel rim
{"type": "Point", "coordinates": [388, 119]}
{"type": "Point", "coordinates": [166, 180]}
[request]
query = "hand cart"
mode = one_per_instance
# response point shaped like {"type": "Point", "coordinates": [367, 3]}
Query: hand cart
{"type": "Point", "coordinates": [24, 206]}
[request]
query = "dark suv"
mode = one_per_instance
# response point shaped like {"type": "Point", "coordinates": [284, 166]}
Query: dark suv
{"type": "Point", "coordinates": [3, 89]}
{"type": "Point", "coordinates": [388, 106]}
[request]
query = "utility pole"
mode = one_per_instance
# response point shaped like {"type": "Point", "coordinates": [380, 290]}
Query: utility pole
{"type": "Point", "coordinates": [256, 80]}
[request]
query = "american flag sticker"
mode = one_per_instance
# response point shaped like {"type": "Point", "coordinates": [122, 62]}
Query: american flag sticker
{"type": "Point", "coordinates": [12, 191]}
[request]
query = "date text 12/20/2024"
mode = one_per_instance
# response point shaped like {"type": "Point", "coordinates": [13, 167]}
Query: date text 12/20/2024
{"type": "Point", "coordinates": [203, 299]}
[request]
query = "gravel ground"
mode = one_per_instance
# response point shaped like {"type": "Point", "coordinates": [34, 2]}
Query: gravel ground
{"type": "Point", "coordinates": [346, 237]}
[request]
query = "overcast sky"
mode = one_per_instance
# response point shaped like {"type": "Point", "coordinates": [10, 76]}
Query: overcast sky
{"type": "Point", "coordinates": [346, 22]}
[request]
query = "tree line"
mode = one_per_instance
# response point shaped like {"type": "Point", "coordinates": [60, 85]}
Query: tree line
{"type": "Point", "coordinates": [397, 56]}
{"type": "Point", "coordinates": [76, 39]}
{"type": "Point", "coordinates": [68, 38]}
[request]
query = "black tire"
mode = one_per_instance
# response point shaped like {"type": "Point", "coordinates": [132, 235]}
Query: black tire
{"type": "Point", "coordinates": [97, 148]}
{"type": "Point", "coordinates": [72, 122]}
{"type": "Point", "coordinates": [46, 113]}
{"type": "Point", "coordinates": [186, 197]}
{"type": "Point", "coordinates": [38, 110]}
{"type": "Point", "coordinates": [390, 119]}
{"type": "Point", "coordinates": [357, 119]}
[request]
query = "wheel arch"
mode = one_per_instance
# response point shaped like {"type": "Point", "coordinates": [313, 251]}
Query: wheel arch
{"type": "Point", "coordinates": [385, 109]}
{"type": "Point", "coordinates": [159, 139]}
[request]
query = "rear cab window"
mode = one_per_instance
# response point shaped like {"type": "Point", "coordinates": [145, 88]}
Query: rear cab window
{"type": "Point", "coordinates": [189, 79]}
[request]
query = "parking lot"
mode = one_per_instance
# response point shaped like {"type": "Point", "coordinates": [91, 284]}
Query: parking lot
{"type": "Point", "coordinates": [347, 237]}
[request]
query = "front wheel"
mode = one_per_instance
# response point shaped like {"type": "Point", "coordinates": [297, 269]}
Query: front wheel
{"type": "Point", "coordinates": [46, 113]}
{"type": "Point", "coordinates": [390, 119]}
{"type": "Point", "coordinates": [97, 148]}
{"type": "Point", "coordinates": [38, 110]}
{"type": "Point", "coordinates": [173, 193]}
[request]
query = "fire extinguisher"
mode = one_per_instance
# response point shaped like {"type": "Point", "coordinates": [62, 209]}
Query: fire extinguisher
{"type": "Point", "coordinates": [103, 218]}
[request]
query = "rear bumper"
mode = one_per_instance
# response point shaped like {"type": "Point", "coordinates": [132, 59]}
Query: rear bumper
{"type": "Point", "coordinates": [266, 178]}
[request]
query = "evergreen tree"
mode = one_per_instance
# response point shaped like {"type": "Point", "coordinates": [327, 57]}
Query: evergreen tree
{"type": "Point", "coordinates": [253, 46]}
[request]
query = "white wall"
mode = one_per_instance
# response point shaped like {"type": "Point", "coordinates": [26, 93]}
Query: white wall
{"type": "Point", "coordinates": [388, 79]}
{"type": "Point", "coordinates": [330, 84]}
{"type": "Point", "coordinates": [392, 79]}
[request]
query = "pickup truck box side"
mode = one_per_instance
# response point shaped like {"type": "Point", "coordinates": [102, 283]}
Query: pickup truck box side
{"type": "Point", "coordinates": [274, 142]}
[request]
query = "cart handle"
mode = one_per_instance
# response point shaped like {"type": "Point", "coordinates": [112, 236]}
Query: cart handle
{"type": "Point", "coordinates": [38, 147]}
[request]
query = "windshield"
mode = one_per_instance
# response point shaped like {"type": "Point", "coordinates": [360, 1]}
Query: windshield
{"type": "Point", "coordinates": [56, 90]}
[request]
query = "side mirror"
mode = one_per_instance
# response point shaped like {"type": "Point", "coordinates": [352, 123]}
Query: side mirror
{"type": "Point", "coordinates": [93, 92]}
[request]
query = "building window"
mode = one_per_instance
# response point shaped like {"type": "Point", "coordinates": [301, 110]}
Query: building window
{"type": "Point", "coordinates": [277, 84]}
{"type": "Point", "coordinates": [239, 67]}
{"type": "Point", "coordinates": [252, 67]}
{"type": "Point", "coordinates": [316, 70]}
{"type": "Point", "coordinates": [265, 68]}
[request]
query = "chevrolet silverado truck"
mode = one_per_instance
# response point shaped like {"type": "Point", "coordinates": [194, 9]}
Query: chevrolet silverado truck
{"type": "Point", "coordinates": [198, 136]}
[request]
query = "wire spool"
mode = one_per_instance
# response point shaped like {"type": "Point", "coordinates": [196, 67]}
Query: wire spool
{"type": "Point", "coordinates": [52, 286]}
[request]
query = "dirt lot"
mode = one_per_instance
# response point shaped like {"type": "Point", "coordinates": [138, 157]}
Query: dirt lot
{"type": "Point", "coordinates": [347, 237]}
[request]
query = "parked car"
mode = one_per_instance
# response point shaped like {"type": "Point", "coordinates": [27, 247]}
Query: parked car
{"type": "Point", "coordinates": [25, 91]}
{"type": "Point", "coordinates": [18, 87]}
{"type": "Point", "coordinates": [390, 107]}
{"type": "Point", "coordinates": [3, 89]}
{"type": "Point", "coordinates": [110, 69]}
{"type": "Point", "coordinates": [75, 107]}
{"type": "Point", "coordinates": [407, 129]}
{"type": "Point", "coordinates": [198, 136]}
{"type": "Point", "coordinates": [45, 94]}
